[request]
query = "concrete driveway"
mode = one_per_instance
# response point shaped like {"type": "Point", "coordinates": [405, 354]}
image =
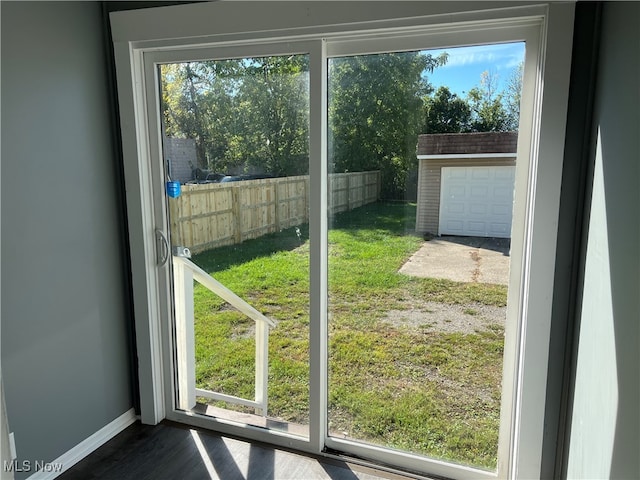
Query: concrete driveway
{"type": "Point", "coordinates": [462, 259]}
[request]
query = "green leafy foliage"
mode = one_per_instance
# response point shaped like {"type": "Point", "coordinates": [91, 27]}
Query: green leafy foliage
{"type": "Point", "coordinates": [252, 115]}
{"type": "Point", "coordinates": [195, 96]}
{"type": "Point", "coordinates": [489, 113]}
{"type": "Point", "coordinates": [246, 115]}
{"type": "Point", "coordinates": [445, 112]}
{"type": "Point", "coordinates": [485, 109]}
{"type": "Point", "coordinates": [513, 95]}
{"type": "Point", "coordinates": [375, 104]}
{"type": "Point", "coordinates": [275, 98]}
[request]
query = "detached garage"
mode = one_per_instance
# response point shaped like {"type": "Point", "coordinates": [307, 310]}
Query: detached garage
{"type": "Point", "coordinates": [465, 183]}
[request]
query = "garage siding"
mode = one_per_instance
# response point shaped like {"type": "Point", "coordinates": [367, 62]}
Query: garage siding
{"type": "Point", "coordinates": [428, 206]}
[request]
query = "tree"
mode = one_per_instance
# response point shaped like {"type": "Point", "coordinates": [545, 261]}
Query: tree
{"type": "Point", "coordinates": [513, 96]}
{"type": "Point", "coordinates": [245, 115]}
{"type": "Point", "coordinates": [181, 113]}
{"type": "Point", "coordinates": [252, 114]}
{"type": "Point", "coordinates": [276, 93]}
{"type": "Point", "coordinates": [488, 112]}
{"type": "Point", "coordinates": [197, 103]}
{"type": "Point", "coordinates": [375, 114]}
{"type": "Point", "coordinates": [485, 108]}
{"type": "Point", "coordinates": [445, 112]}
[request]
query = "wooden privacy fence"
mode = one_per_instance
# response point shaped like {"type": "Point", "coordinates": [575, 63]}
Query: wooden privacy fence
{"type": "Point", "coordinates": [211, 215]}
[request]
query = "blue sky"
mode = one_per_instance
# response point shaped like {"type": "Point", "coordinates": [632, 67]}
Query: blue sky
{"type": "Point", "coordinates": [462, 71]}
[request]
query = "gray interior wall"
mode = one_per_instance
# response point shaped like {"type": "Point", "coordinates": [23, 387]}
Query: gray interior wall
{"type": "Point", "coordinates": [65, 359]}
{"type": "Point", "coordinates": [605, 426]}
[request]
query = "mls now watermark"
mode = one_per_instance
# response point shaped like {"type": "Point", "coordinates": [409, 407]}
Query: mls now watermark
{"type": "Point", "coordinates": [29, 466]}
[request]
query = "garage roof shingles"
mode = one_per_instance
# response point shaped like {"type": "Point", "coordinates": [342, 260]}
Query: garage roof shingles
{"type": "Point", "coordinates": [467, 143]}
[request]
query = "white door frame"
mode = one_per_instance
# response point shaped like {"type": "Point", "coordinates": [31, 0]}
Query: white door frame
{"type": "Point", "coordinates": [343, 29]}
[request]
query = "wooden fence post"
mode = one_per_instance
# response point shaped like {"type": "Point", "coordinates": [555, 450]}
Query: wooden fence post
{"type": "Point", "coordinates": [276, 188]}
{"type": "Point", "coordinates": [175, 226]}
{"type": "Point", "coordinates": [236, 212]}
{"type": "Point", "coordinates": [191, 213]}
{"type": "Point", "coordinates": [306, 198]}
{"type": "Point", "coordinates": [348, 192]}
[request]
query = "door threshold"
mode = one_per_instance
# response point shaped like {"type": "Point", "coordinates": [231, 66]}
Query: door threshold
{"type": "Point", "coordinates": [252, 419]}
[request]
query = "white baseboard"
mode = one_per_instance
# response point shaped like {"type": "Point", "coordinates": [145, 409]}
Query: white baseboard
{"type": "Point", "coordinates": [87, 446]}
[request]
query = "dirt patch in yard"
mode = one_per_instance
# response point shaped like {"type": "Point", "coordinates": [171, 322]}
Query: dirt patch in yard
{"type": "Point", "coordinates": [460, 259]}
{"type": "Point", "coordinates": [445, 318]}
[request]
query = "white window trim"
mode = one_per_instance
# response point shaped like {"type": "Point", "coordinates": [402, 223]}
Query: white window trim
{"type": "Point", "coordinates": [136, 33]}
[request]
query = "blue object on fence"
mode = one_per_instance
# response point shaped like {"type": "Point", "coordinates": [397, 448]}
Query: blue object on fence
{"type": "Point", "coordinates": [173, 189]}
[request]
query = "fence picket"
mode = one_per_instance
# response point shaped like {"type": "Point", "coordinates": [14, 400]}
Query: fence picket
{"type": "Point", "coordinates": [212, 215]}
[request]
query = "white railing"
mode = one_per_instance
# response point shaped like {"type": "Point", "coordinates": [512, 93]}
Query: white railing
{"type": "Point", "coordinates": [184, 273]}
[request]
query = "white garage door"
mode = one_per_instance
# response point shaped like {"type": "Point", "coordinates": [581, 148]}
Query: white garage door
{"type": "Point", "coordinates": [476, 201]}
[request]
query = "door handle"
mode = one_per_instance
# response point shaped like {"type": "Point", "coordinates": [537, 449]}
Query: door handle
{"type": "Point", "coordinates": [162, 248]}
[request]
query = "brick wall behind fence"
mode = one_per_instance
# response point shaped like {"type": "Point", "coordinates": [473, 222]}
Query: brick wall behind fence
{"type": "Point", "coordinates": [179, 153]}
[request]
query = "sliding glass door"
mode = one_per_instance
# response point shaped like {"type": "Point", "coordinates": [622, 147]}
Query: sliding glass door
{"type": "Point", "coordinates": [280, 193]}
{"type": "Point", "coordinates": [235, 157]}
{"type": "Point", "coordinates": [413, 361]}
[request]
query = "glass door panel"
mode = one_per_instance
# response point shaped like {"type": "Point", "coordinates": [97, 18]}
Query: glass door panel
{"type": "Point", "coordinates": [417, 306]}
{"type": "Point", "coordinates": [236, 151]}
{"type": "Point", "coordinates": [405, 363]}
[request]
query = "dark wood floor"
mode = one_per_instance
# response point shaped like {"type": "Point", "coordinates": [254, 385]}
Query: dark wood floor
{"type": "Point", "coordinates": [172, 451]}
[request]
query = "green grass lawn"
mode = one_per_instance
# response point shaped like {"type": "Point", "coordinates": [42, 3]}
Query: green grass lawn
{"type": "Point", "coordinates": [412, 388]}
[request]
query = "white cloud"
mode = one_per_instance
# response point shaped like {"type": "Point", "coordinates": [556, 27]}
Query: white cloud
{"type": "Point", "coordinates": [503, 56]}
{"type": "Point", "coordinates": [457, 59]}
